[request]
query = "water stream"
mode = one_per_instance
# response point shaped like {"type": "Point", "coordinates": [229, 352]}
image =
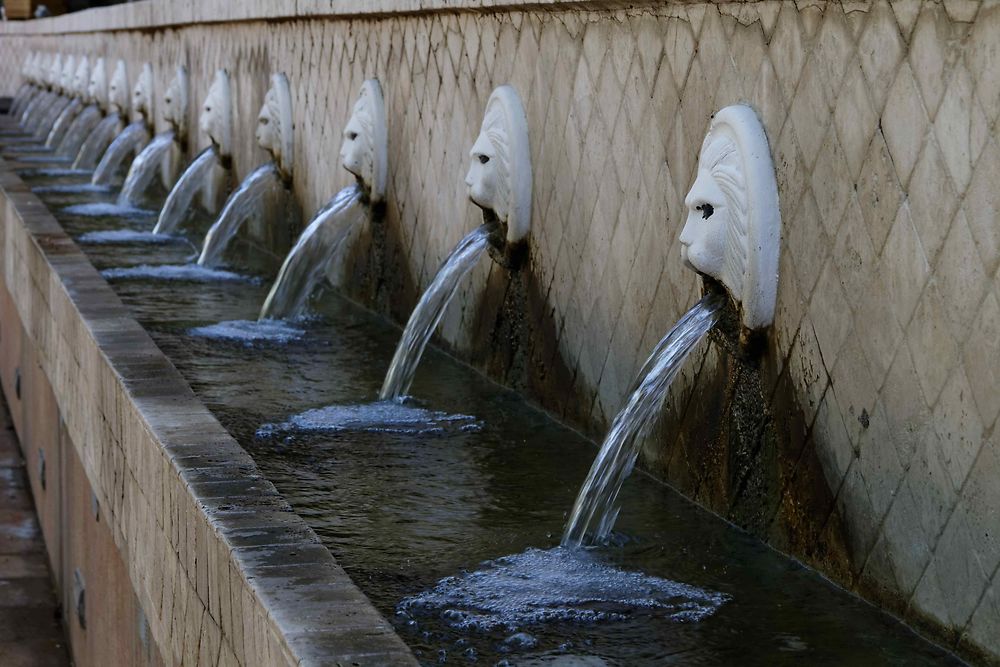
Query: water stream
{"type": "Point", "coordinates": [315, 248]}
{"type": "Point", "coordinates": [44, 127]}
{"type": "Point", "coordinates": [62, 124]}
{"type": "Point", "coordinates": [144, 168]}
{"type": "Point", "coordinates": [78, 131]}
{"type": "Point", "coordinates": [28, 114]}
{"type": "Point", "coordinates": [129, 141]}
{"type": "Point", "coordinates": [178, 205]}
{"type": "Point", "coordinates": [247, 200]}
{"type": "Point", "coordinates": [596, 508]}
{"type": "Point", "coordinates": [453, 532]}
{"type": "Point", "coordinates": [429, 311]}
{"type": "Point", "coordinates": [97, 142]}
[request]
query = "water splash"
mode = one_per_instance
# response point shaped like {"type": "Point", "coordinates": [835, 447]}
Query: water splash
{"type": "Point", "coordinates": [97, 142]}
{"type": "Point", "coordinates": [538, 586]}
{"type": "Point", "coordinates": [48, 158]}
{"type": "Point", "coordinates": [377, 417]}
{"type": "Point", "coordinates": [26, 148]}
{"type": "Point", "coordinates": [307, 262]}
{"type": "Point", "coordinates": [116, 236]}
{"type": "Point", "coordinates": [179, 200]}
{"type": "Point", "coordinates": [106, 210]}
{"type": "Point", "coordinates": [63, 123]}
{"type": "Point", "coordinates": [191, 273]}
{"type": "Point", "coordinates": [249, 332]}
{"type": "Point", "coordinates": [55, 172]}
{"type": "Point", "coordinates": [430, 310]}
{"type": "Point", "coordinates": [129, 141]}
{"type": "Point", "coordinates": [595, 510]}
{"type": "Point", "coordinates": [69, 188]}
{"type": "Point", "coordinates": [144, 168]}
{"type": "Point", "coordinates": [78, 131]}
{"type": "Point", "coordinates": [244, 202]}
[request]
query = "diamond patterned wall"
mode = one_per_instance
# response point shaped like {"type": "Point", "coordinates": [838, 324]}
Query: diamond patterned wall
{"type": "Point", "coordinates": [882, 120]}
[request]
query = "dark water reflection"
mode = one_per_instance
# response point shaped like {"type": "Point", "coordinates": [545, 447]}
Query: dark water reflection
{"type": "Point", "coordinates": [402, 510]}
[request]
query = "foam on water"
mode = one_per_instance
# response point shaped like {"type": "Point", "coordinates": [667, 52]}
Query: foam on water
{"type": "Point", "coordinates": [107, 210]}
{"type": "Point", "coordinates": [108, 236]}
{"type": "Point", "coordinates": [46, 158]}
{"type": "Point", "coordinates": [539, 586]}
{"type": "Point", "coordinates": [54, 172]}
{"type": "Point", "coordinates": [392, 416]}
{"type": "Point", "coordinates": [191, 273]}
{"type": "Point", "coordinates": [251, 331]}
{"type": "Point", "coordinates": [73, 188]}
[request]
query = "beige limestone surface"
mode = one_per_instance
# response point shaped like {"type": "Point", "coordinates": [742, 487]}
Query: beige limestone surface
{"type": "Point", "coordinates": [882, 119]}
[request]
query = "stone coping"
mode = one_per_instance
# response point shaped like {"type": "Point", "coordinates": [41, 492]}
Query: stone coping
{"type": "Point", "coordinates": [199, 528]}
{"type": "Point", "coordinates": [149, 14]}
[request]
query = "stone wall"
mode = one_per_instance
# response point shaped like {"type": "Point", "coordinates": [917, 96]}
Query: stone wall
{"type": "Point", "coordinates": [868, 446]}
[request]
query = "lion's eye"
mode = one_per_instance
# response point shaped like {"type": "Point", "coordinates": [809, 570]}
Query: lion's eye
{"type": "Point", "coordinates": [706, 210]}
{"type": "Point", "coordinates": [483, 159]}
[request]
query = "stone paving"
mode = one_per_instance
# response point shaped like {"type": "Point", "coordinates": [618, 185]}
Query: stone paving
{"type": "Point", "coordinates": [30, 630]}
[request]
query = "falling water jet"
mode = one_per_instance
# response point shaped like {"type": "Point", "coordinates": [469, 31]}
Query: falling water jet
{"type": "Point", "coordinates": [732, 237]}
{"type": "Point", "coordinates": [180, 199]}
{"type": "Point", "coordinates": [210, 169]}
{"type": "Point", "coordinates": [144, 168]}
{"type": "Point", "coordinates": [259, 192]}
{"type": "Point", "coordinates": [312, 253]}
{"type": "Point", "coordinates": [39, 72]}
{"type": "Point", "coordinates": [29, 87]}
{"type": "Point", "coordinates": [363, 153]}
{"type": "Point", "coordinates": [249, 199]}
{"type": "Point", "coordinates": [49, 79]}
{"type": "Point", "coordinates": [499, 182]}
{"type": "Point", "coordinates": [61, 79]}
{"type": "Point", "coordinates": [595, 509]}
{"type": "Point", "coordinates": [129, 140]}
{"type": "Point", "coordinates": [133, 138]}
{"type": "Point", "coordinates": [113, 98]}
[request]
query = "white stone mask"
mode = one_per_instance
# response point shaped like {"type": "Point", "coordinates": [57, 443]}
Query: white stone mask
{"type": "Point", "coordinates": [363, 150]}
{"type": "Point", "coordinates": [81, 78]}
{"type": "Point", "coordinates": [142, 94]}
{"type": "Point", "coordinates": [54, 74]}
{"type": "Point", "coordinates": [216, 118]}
{"type": "Point", "coordinates": [69, 71]}
{"type": "Point", "coordinates": [97, 88]}
{"type": "Point", "coordinates": [499, 176]}
{"type": "Point", "coordinates": [175, 103]}
{"type": "Point", "coordinates": [733, 228]}
{"type": "Point", "coordinates": [274, 124]}
{"type": "Point", "coordinates": [118, 90]}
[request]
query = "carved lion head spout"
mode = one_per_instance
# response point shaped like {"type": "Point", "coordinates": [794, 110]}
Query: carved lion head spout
{"type": "Point", "coordinates": [274, 125]}
{"type": "Point", "coordinates": [54, 73]}
{"type": "Point", "coordinates": [142, 95]}
{"type": "Point", "coordinates": [175, 104]}
{"type": "Point", "coordinates": [28, 68]}
{"type": "Point", "coordinates": [733, 228]}
{"type": "Point", "coordinates": [499, 177]}
{"type": "Point", "coordinates": [38, 70]}
{"type": "Point", "coordinates": [97, 88]}
{"type": "Point", "coordinates": [81, 79]}
{"type": "Point", "coordinates": [364, 149]}
{"type": "Point", "coordinates": [66, 79]}
{"type": "Point", "coordinates": [216, 118]}
{"type": "Point", "coordinates": [118, 91]}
